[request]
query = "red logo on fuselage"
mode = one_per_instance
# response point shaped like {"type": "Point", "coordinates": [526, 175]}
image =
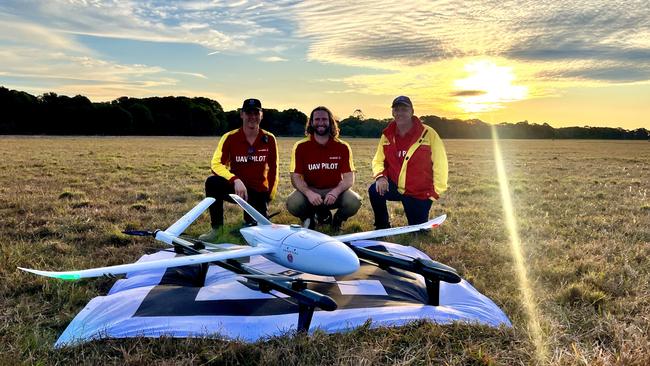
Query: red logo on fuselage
{"type": "Point", "coordinates": [290, 258]}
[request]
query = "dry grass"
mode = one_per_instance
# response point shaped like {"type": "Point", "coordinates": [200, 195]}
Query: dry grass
{"type": "Point", "coordinates": [582, 209]}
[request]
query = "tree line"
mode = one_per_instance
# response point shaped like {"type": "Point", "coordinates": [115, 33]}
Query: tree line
{"type": "Point", "coordinates": [50, 114]}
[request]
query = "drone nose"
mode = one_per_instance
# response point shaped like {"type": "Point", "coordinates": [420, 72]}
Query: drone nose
{"type": "Point", "coordinates": [342, 260]}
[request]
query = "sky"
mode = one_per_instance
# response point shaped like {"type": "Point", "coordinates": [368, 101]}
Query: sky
{"type": "Point", "coordinates": [572, 63]}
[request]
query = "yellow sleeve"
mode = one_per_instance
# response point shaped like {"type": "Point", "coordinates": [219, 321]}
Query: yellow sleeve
{"type": "Point", "coordinates": [292, 165]}
{"type": "Point", "coordinates": [218, 167]}
{"type": "Point", "coordinates": [274, 172]}
{"type": "Point", "coordinates": [439, 159]}
{"type": "Point", "coordinates": [351, 162]}
{"type": "Point", "coordinates": [378, 161]}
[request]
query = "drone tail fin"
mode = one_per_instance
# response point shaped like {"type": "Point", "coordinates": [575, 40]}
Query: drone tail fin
{"type": "Point", "coordinates": [179, 226]}
{"type": "Point", "coordinates": [261, 220]}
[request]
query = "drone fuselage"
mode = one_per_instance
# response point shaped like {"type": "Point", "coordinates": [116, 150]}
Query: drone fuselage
{"type": "Point", "coordinates": [303, 250]}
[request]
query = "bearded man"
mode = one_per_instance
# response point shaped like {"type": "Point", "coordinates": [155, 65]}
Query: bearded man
{"type": "Point", "coordinates": [322, 172]}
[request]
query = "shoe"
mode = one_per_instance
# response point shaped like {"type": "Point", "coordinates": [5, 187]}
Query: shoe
{"type": "Point", "coordinates": [336, 223]}
{"type": "Point", "coordinates": [211, 235]}
{"type": "Point", "coordinates": [323, 217]}
{"type": "Point", "coordinates": [309, 223]}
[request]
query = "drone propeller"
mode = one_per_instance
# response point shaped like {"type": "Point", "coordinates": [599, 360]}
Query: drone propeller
{"type": "Point", "coordinates": [399, 272]}
{"type": "Point", "coordinates": [139, 232]}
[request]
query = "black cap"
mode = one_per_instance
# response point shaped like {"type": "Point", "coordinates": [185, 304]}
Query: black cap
{"type": "Point", "coordinates": [252, 105]}
{"type": "Point", "coordinates": [402, 100]}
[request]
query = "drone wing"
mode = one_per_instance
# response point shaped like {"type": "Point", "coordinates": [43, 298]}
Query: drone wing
{"type": "Point", "coordinates": [391, 231]}
{"type": "Point", "coordinates": [164, 263]}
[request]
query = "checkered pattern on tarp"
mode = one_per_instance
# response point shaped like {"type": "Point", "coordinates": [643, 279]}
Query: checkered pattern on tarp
{"type": "Point", "coordinates": [179, 302]}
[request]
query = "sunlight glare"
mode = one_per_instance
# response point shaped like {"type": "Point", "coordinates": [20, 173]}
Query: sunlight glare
{"type": "Point", "coordinates": [530, 307]}
{"type": "Point", "coordinates": [487, 87]}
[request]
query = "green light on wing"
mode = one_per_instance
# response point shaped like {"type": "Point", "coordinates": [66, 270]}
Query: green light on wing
{"type": "Point", "coordinates": [69, 277]}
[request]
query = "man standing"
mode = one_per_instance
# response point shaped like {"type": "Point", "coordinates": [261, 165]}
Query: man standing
{"type": "Point", "coordinates": [410, 166]}
{"type": "Point", "coordinates": [322, 172]}
{"type": "Point", "coordinates": [245, 163]}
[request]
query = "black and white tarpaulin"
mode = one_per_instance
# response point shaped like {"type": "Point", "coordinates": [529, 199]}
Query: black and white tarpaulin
{"type": "Point", "coordinates": [179, 302]}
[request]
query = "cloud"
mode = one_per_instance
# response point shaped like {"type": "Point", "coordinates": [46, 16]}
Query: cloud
{"type": "Point", "coordinates": [194, 74]}
{"type": "Point", "coordinates": [208, 24]}
{"type": "Point", "coordinates": [273, 59]}
{"type": "Point", "coordinates": [18, 34]}
{"type": "Point", "coordinates": [364, 33]}
{"type": "Point", "coordinates": [468, 93]}
{"type": "Point", "coordinates": [615, 73]}
{"type": "Point", "coordinates": [71, 74]}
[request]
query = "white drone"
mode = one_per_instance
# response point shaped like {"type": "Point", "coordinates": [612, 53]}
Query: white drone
{"type": "Point", "coordinates": [291, 246]}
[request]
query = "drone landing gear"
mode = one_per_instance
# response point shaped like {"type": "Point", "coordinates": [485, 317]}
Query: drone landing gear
{"type": "Point", "coordinates": [307, 300]}
{"type": "Point", "coordinates": [305, 313]}
{"type": "Point", "coordinates": [433, 291]}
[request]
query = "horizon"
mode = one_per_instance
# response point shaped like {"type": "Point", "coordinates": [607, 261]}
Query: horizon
{"type": "Point", "coordinates": [567, 65]}
{"type": "Point", "coordinates": [340, 118]}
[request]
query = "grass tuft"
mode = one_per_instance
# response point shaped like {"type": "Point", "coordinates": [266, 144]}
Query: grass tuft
{"type": "Point", "coordinates": [138, 207]}
{"type": "Point", "coordinates": [70, 195]}
{"type": "Point", "coordinates": [581, 294]}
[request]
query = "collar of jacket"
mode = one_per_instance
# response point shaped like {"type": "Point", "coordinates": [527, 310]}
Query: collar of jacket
{"type": "Point", "coordinates": [391, 129]}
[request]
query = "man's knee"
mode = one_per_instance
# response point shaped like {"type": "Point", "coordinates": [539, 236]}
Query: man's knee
{"type": "Point", "coordinates": [214, 184]}
{"type": "Point", "coordinates": [417, 210]}
{"type": "Point", "coordinates": [350, 202]}
{"type": "Point", "coordinates": [297, 203]}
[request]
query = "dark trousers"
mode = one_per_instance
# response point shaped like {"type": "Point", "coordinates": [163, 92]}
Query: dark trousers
{"type": "Point", "coordinates": [219, 188]}
{"type": "Point", "coordinates": [416, 210]}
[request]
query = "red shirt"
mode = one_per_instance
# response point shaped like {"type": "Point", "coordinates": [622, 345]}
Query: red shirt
{"type": "Point", "coordinates": [321, 165]}
{"type": "Point", "coordinates": [256, 165]}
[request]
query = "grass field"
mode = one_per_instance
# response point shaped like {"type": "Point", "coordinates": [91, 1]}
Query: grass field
{"type": "Point", "coordinates": [582, 210]}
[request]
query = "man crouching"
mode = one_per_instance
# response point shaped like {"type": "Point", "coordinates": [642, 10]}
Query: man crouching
{"type": "Point", "coordinates": [322, 172]}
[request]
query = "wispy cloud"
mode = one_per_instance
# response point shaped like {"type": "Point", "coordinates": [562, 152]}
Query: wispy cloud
{"type": "Point", "coordinates": [272, 59]}
{"type": "Point", "coordinates": [468, 93]}
{"type": "Point", "coordinates": [194, 74]}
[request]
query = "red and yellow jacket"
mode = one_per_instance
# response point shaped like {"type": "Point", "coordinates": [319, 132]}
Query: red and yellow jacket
{"type": "Point", "coordinates": [256, 165]}
{"type": "Point", "coordinates": [421, 171]}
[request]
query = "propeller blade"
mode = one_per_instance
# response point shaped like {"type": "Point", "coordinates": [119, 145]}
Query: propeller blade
{"type": "Point", "coordinates": [400, 273]}
{"type": "Point", "coordinates": [138, 232]}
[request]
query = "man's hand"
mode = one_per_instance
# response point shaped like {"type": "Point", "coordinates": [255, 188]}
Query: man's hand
{"type": "Point", "coordinates": [330, 198]}
{"type": "Point", "coordinates": [240, 189]}
{"type": "Point", "coordinates": [314, 198]}
{"type": "Point", "coordinates": [382, 185]}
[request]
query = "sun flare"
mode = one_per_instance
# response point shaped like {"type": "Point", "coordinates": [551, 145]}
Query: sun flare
{"type": "Point", "coordinates": [519, 259]}
{"type": "Point", "coordinates": [487, 87]}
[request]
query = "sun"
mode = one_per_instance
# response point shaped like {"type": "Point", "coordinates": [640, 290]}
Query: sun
{"type": "Point", "coordinates": [487, 87]}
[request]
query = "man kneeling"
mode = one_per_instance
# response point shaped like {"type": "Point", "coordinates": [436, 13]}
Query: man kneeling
{"type": "Point", "coordinates": [245, 163]}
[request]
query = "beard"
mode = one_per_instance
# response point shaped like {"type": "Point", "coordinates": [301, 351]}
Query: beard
{"type": "Point", "coordinates": [322, 130]}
